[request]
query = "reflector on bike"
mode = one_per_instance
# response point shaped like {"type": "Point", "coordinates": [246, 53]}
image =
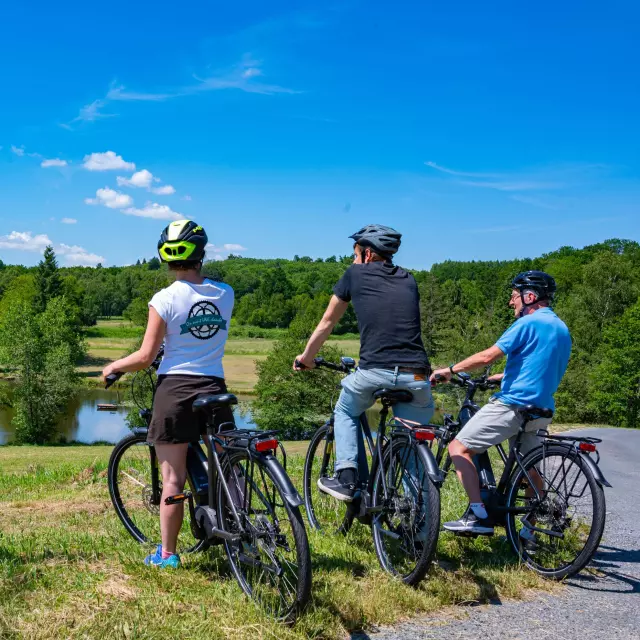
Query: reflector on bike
{"type": "Point", "coordinates": [423, 434]}
{"type": "Point", "coordinates": [266, 445]}
{"type": "Point", "coordinates": [587, 446]}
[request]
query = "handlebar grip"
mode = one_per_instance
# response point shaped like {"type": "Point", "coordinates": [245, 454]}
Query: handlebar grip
{"type": "Point", "coordinates": [299, 365]}
{"type": "Point", "coordinates": [112, 378]}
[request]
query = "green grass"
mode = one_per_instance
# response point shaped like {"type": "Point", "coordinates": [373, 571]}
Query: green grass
{"type": "Point", "coordinates": [69, 570]}
{"type": "Point", "coordinates": [111, 339]}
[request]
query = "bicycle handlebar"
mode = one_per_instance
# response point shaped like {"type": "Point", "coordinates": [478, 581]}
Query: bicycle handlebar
{"type": "Point", "coordinates": [480, 383]}
{"type": "Point", "coordinates": [112, 378]}
{"type": "Point", "coordinates": [321, 362]}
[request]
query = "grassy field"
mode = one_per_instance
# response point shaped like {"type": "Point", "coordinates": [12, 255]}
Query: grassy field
{"type": "Point", "coordinates": [111, 339]}
{"type": "Point", "coordinates": [69, 570]}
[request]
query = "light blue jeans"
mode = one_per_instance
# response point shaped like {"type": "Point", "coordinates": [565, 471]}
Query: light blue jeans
{"type": "Point", "coordinates": [357, 396]}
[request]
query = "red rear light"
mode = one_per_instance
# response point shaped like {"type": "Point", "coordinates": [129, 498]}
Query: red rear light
{"type": "Point", "coordinates": [423, 434]}
{"type": "Point", "coordinates": [266, 445]}
{"type": "Point", "coordinates": [587, 446]}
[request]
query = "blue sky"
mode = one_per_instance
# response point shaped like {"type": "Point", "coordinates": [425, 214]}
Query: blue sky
{"type": "Point", "coordinates": [479, 130]}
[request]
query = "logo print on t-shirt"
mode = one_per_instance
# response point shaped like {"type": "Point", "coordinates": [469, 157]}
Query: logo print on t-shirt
{"type": "Point", "coordinates": [204, 321]}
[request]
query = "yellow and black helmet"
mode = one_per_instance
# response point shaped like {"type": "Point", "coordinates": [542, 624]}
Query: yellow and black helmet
{"type": "Point", "coordinates": [182, 240]}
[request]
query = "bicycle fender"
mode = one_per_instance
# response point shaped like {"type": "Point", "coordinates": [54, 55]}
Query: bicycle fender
{"type": "Point", "coordinates": [284, 482]}
{"type": "Point", "coordinates": [141, 431]}
{"type": "Point", "coordinates": [435, 473]}
{"type": "Point", "coordinates": [595, 469]}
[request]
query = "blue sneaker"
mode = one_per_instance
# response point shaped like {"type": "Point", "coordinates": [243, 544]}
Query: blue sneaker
{"type": "Point", "coordinates": [156, 560]}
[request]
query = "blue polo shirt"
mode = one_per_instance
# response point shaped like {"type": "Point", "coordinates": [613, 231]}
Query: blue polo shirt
{"type": "Point", "coordinates": [537, 347]}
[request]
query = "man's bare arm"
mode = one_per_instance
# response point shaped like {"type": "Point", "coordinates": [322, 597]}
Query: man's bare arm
{"type": "Point", "coordinates": [335, 311]}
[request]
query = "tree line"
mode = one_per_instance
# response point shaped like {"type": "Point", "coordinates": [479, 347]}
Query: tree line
{"type": "Point", "coordinates": [43, 310]}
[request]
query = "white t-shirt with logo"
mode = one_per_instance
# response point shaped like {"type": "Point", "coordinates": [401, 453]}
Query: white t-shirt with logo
{"type": "Point", "coordinates": [197, 318]}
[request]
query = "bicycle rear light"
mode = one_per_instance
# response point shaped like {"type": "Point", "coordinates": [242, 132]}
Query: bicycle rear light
{"type": "Point", "coordinates": [423, 434]}
{"type": "Point", "coordinates": [587, 446]}
{"type": "Point", "coordinates": [266, 445]}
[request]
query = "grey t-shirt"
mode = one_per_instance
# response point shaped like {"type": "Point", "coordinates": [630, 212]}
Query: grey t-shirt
{"type": "Point", "coordinates": [387, 305]}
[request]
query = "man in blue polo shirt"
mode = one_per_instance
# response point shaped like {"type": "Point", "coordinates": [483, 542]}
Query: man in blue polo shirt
{"type": "Point", "coordinates": [537, 347]}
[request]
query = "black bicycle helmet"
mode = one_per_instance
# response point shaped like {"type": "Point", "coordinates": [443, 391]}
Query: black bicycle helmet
{"type": "Point", "coordinates": [538, 281]}
{"type": "Point", "coordinates": [383, 240]}
{"type": "Point", "coordinates": [182, 240]}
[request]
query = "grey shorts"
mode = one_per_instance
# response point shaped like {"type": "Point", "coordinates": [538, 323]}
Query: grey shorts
{"type": "Point", "coordinates": [496, 422]}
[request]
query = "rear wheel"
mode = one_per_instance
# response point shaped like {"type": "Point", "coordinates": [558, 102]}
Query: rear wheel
{"type": "Point", "coordinates": [324, 512]}
{"type": "Point", "coordinates": [569, 519]}
{"type": "Point", "coordinates": [405, 530]}
{"type": "Point", "coordinates": [270, 558]}
{"type": "Point", "coordinates": [133, 471]}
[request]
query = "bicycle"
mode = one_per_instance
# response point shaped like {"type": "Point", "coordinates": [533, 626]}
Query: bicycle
{"type": "Point", "coordinates": [399, 498]}
{"type": "Point", "coordinates": [535, 489]}
{"type": "Point", "coordinates": [239, 495]}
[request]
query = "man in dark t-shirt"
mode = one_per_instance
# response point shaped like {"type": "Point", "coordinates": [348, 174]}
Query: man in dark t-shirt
{"type": "Point", "coordinates": [386, 302]}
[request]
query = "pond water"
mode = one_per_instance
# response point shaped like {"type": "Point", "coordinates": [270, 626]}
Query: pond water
{"type": "Point", "coordinates": [82, 422]}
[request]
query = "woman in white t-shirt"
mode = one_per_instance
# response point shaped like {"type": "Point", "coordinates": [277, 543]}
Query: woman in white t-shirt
{"type": "Point", "coordinates": [192, 316]}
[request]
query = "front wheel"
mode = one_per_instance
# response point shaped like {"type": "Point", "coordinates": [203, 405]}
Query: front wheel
{"type": "Point", "coordinates": [406, 521]}
{"type": "Point", "coordinates": [568, 520]}
{"type": "Point", "coordinates": [135, 487]}
{"type": "Point", "coordinates": [270, 557]}
{"type": "Point", "coordinates": [324, 512]}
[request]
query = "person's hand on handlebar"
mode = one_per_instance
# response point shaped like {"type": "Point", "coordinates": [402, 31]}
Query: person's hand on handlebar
{"type": "Point", "coordinates": [301, 362]}
{"type": "Point", "coordinates": [107, 371]}
{"type": "Point", "coordinates": [496, 378]}
{"type": "Point", "coordinates": [440, 376]}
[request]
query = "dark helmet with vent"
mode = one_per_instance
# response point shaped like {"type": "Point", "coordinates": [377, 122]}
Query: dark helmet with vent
{"type": "Point", "coordinates": [383, 240]}
{"type": "Point", "coordinates": [537, 281]}
{"type": "Point", "coordinates": [182, 240]}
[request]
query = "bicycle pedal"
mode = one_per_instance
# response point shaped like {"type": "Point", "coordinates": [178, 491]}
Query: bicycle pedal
{"type": "Point", "coordinates": [178, 498]}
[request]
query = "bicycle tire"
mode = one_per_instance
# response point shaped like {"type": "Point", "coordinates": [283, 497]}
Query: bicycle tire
{"type": "Point", "coordinates": [265, 537]}
{"type": "Point", "coordinates": [422, 549]}
{"type": "Point", "coordinates": [559, 512]}
{"type": "Point", "coordinates": [324, 512]}
{"type": "Point", "coordinates": [141, 527]}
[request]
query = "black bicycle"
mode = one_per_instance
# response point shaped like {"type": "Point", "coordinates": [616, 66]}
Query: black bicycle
{"type": "Point", "coordinates": [551, 500]}
{"type": "Point", "coordinates": [399, 498]}
{"type": "Point", "coordinates": [239, 495]}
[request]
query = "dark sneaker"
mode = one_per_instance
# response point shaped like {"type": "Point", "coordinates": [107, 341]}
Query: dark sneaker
{"type": "Point", "coordinates": [470, 524]}
{"type": "Point", "coordinates": [342, 486]}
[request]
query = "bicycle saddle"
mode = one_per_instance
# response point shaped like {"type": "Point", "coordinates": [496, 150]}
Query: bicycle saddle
{"type": "Point", "coordinates": [393, 396]}
{"type": "Point", "coordinates": [531, 412]}
{"type": "Point", "coordinates": [207, 403]}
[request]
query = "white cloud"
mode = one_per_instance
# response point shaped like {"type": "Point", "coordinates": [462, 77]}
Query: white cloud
{"type": "Point", "coordinates": [165, 190]}
{"type": "Point", "coordinates": [110, 198]}
{"type": "Point", "coordinates": [141, 178]}
{"type": "Point", "coordinates": [107, 161]}
{"type": "Point", "coordinates": [251, 72]}
{"type": "Point", "coordinates": [225, 248]}
{"type": "Point", "coordinates": [26, 241]}
{"type": "Point", "coordinates": [74, 254]}
{"type": "Point", "coordinates": [154, 210]}
{"type": "Point", "coordinates": [68, 221]}
{"type": "Point", "coordinates": [53, 162]}
{"type": "Point", "coordinates": [144, 179]}
{"type": "Point", "coordinates": [243, 76]}
{"type": "Point", "coordinates": [544, 179]}
{"type": "Point", "coordinates": [19, 151]}
{"type": "Point", "coordinates": [218, 257]}
{"type": "Point", "coordinates": [187, 198]}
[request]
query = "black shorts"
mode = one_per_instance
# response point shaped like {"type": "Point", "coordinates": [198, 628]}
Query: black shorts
{"type": "Point", "coordinates": [173, 420]}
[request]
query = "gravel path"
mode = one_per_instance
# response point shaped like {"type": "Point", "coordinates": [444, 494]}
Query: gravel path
{"type": "Point", "coordinates": [589, 607]}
